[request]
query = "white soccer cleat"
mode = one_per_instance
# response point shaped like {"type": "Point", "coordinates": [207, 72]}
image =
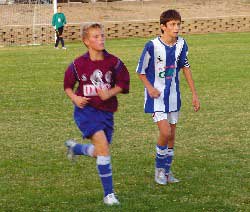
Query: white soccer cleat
{"type": "Point", "coordinates": [70, 153]}
{"type": "Point", "coordinates": [171, 179]}
{"type": "Point", "coordinates": [160, 177]}
{"type": "Point", "coordinates": [64, 48]}
{"type": "Point", "coordinates": [110, 199]}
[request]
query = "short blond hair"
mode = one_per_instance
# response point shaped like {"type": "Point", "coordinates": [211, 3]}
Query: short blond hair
{"type": "Point", "coordinates": [86, 26]}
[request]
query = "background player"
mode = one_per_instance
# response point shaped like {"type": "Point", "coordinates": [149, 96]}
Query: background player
{"type": "Point", "coordinates": [101, 76]}
{"type": "Point", "coordinates": [158, 69]}
{"type": "Point", "coordinates": [58, 22]}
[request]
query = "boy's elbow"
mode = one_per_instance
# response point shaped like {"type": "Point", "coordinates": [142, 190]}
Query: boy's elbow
{"type": "Point", "coordinates": [186, 69]}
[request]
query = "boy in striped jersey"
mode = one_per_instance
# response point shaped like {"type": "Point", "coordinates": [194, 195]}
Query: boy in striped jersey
{"type": "Point", "coordinates": [158, 69]}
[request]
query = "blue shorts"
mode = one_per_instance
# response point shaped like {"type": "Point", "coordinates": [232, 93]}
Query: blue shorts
{"type": "Point", "coordinates": [91, 120]}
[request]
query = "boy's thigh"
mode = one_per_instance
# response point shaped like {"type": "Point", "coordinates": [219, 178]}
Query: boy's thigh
{"type": "Point", "coordinates": [90, 121]}
{"type": "Point", "coordinates": [60, 31]}
{"type": "Point", "coordinates": [172, 117]}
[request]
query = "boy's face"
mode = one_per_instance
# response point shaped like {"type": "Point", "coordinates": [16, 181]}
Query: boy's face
{"type": "Point", "coordinates": [171, 28]}
{"type": "Point", "coordinates": [95, 39]}
{"type": "Point", "coordinates": [59, 9]}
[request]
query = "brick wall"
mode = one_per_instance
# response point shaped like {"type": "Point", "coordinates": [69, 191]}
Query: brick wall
{"type": "Point", "coordinates": [45, 34]}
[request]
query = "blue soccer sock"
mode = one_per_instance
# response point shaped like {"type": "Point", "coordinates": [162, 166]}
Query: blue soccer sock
{"type": "Point", "coordinates": [84, 149]}
{"type": "Point", "coordinates": [169, 159]}
{"type": "Point", "coordinates": [105, 172]}
{"type": "Point", "coordinates": [160, 158]}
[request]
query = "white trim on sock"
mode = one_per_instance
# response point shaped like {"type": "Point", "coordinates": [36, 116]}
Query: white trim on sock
{"type": "Point", "coordinates": [103, 160]}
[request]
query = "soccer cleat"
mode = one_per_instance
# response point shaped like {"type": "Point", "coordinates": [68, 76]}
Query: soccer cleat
{"type": "Point", "coordinates": [70, 153]}
{"type": "Point", "coordinates": [171, 179]}
{"type": "Point", "coordinates": [160, 177]}
{"type": "Point", "coordinates": [64, 48]}
{"type": "Point", "coordinates": [110, 199]}
{"type": "Point", "coordinates": [56, 48]}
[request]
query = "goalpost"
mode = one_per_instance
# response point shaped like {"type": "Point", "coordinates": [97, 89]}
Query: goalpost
{"type": "Point", "coordinates": [55, 11]}
{"type": "Point", "coordinates": [26, 22]}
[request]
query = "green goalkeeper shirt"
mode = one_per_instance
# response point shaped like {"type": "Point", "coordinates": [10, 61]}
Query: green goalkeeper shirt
{"type": "Point", "coordinates": [58, 20]}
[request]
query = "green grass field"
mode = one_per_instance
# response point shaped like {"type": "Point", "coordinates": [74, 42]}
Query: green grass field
{"type": "Point", "coordinates": [212, 157]}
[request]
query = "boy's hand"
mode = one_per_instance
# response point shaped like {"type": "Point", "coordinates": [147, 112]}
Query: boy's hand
{"type": "Point", "coordinates": [80, 101]}
{"type": "Point", "coordinates": [154, 93]}
{"type": "Point", "coordinates": [196, 103]}
{"type": "Point", "coordinates": [104, 94]}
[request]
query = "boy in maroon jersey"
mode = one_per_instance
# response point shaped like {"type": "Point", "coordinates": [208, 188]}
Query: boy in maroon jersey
{"type": "Point", "coordinates": [100, 76]}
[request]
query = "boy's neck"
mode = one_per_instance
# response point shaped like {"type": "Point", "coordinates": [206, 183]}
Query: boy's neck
{"type": "Point", "coordinates": [96, 55]}
{"type": "Point", "coordinates": [170, 41]}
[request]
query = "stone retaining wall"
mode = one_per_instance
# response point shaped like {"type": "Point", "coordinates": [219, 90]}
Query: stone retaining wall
{"type": "Point", "coordinates": [43, 34]}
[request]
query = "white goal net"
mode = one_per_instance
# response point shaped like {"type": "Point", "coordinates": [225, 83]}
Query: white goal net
{"type": "Point", "coordinates": [25, 22]}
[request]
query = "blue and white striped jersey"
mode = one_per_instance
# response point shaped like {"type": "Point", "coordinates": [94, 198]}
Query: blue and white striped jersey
{"type": "Point", "coordinates": [161, 65]}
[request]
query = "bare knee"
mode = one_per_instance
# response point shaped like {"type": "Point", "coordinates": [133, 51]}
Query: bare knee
{"type": "Point", "coordinates": [101, 144]}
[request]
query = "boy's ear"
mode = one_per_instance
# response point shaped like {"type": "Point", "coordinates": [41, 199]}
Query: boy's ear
{"type": "Point", "coordinates": [85, 41]}
{"type": "Point", "coordinates": [163, 27]}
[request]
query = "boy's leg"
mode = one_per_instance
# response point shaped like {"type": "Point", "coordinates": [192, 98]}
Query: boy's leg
{"type": "Point", "coordinates": [75, 148]}
{"type": "Point", "coordinates": [164, 132]}
{"type": "Point", "coordinates": [161, 152]}
{"type": "Point", "coordinates": [104, 167]}
{"type": "Point", "coordinates": [172, 118]}
{"type": "Point", "coordinates": [61, 36]}
{"type": "Point", "coordinates": [62, 41]}
{"type": "Point", "coordinates": [57, 41]}
{"type": "Point", "coordinates": [170, 151]}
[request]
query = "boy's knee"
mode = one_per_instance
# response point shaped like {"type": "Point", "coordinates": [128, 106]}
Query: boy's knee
{"type": "Point", "coordinates": [102, 150]}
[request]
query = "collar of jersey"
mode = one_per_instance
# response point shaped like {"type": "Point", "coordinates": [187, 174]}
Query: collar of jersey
{"type": "Point", "coordinates": [159, 38]}
{"type": "Point", "coordinates": [105, 53]}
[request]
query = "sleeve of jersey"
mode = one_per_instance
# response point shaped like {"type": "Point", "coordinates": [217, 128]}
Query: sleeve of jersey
{"type": "Point", "coordinates": [144, 59]}
{"type": "Point", "coordinates": [122, 78]}
{"type": "Point", "coordinates": [65, 22]}
{"type": "Point", "coordinates": [53, 20]}
{"type": "Point", "coordinates": [70, 77]}
{"type": "Point", "coordinates": [184, 58]}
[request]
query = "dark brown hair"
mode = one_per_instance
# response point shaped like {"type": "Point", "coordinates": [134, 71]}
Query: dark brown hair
{"type": "Point", "coordinates": [169, 15]}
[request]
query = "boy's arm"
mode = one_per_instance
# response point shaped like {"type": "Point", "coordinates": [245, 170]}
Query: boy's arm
{"type": "Point", "coordinates": [108, 93]}
{"type": "Point", "coordinates": [153, 92]}
{"type": "Point", "coordinates": [188, 75]}
{"type": "Point", "coordinates": [65, 22]}
{"type": "Point", "coordinates": [69, 84]}
{"type": "Point", "coordinates": [79, 101]}
{"type": "Point", "coordinates": [122, 81]}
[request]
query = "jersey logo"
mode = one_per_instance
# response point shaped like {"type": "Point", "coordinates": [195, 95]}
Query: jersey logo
{"type": "Point", "coordinates": [108, 76]}
{"type": "Point", "coordinates": [97, 83]}
{"type": "Point", "coordinates": [168, 72]}
{"type": "Point", "coordinates": [159, 60]}
{"type": "Point", "coordinates": [91, 90]}
{"type": "Point", "coordinates": [96, 78]}
{"type": "Point", "coordinates": [84, 78]}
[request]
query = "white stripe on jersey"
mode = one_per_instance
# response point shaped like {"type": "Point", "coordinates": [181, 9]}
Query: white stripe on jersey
{"type": "Point", "coordinates": [179, 46]}
{"type": "Point", "coordinates": [145, 62]}
{"type": "Point", "coordinates": [159, 83]}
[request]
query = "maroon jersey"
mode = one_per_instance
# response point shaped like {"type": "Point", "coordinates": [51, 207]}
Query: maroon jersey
{"type": "Point", "coordinates": [100, 74]}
